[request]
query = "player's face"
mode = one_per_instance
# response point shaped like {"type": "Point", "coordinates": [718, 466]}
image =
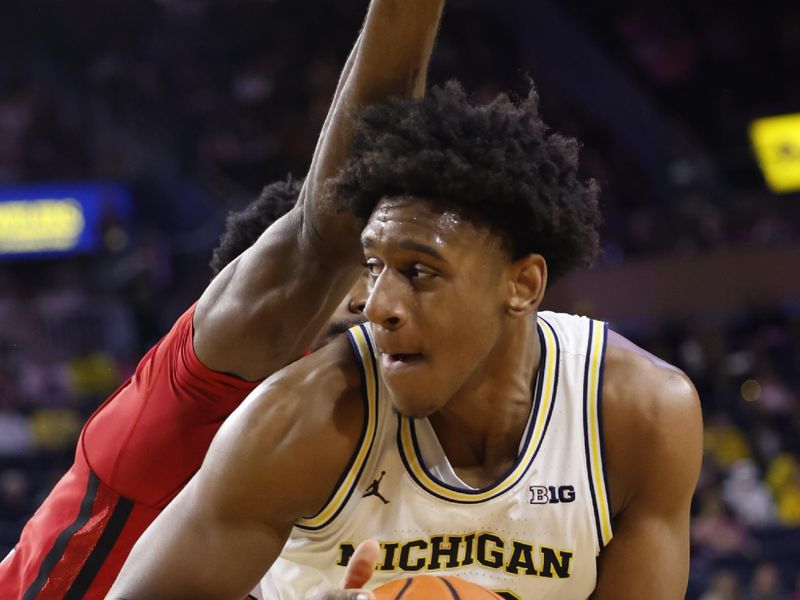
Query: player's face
{"type": "Point", "coordinates": [437, 301]}
{"type": "Point", "coordinates": [349, 312]}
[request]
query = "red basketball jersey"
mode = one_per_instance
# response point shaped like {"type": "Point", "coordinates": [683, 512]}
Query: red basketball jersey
{"type": "Point", "coordinates": [135, 453]}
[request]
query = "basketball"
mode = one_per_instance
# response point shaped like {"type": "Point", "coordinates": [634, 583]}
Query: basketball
{"type": "Point", "coordinates": [433, 587]}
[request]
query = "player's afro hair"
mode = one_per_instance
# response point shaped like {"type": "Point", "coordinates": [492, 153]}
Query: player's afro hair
{"type": "Point", "coordinates": [498, 162]}
{"type": "Point", "coordinates": [244, 227]}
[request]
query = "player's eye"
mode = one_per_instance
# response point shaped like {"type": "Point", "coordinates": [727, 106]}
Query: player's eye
{"type": "Point", "coordinates": [373, 267]}
{"type": "Point", "coordinates": [420, 271]}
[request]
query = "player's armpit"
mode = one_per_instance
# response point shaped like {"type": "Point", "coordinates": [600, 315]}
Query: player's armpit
{"type": "Point", "coordinates": [276, 459]}
{"type": "Point", "coordinates": [654, 441]}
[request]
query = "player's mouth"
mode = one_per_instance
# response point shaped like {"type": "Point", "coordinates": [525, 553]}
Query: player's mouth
{"type": "Point", "coordinates": [393, 361]}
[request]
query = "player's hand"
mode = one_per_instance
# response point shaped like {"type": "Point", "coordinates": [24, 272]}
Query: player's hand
{"type": "Point", "coordinates": [359, 571]}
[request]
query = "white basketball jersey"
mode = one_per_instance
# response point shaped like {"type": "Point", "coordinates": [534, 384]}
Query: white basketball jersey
{"type": "Point", "coordinates": [534, 534]}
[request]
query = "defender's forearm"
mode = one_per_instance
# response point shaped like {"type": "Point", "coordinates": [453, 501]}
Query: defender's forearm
{"type": "Point", "coordinates": [390, 58]}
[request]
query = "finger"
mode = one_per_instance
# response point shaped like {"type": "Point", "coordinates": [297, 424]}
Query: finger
{"type": "Point", "coordinates": [362, 564]}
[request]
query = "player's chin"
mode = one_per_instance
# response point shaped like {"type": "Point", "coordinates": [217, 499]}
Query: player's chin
{"type": "Point", "coordinates": [413, 412]}
{"type": "Point", "coordinates": [412, 403]}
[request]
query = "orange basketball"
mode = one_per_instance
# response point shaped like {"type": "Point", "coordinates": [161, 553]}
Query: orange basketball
{"type": "Point", "coordinates": [433, 587]}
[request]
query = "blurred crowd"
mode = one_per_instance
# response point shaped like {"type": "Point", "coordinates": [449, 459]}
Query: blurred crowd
{"type": "Point", "coordinates": [203, 102]}
{"type": "Point", "coordinates": [746, 510]}
{"type": "Point", "coordinates": [236, 92]}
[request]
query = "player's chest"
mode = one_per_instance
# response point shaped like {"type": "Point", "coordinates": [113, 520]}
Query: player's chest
{"type": "Point", "coordinates": [532, 533]}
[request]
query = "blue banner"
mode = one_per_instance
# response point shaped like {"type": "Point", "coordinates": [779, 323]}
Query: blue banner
{"type": "Point", "coordinates": [51, 220]}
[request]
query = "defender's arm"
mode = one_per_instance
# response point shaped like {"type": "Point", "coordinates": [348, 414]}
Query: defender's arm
{"type": "Point", "coordinates": [276, 459]}
{"type": "Point", "coordinates": [265, 308]}
{"type": "Point", "coordinates": [653, 435]}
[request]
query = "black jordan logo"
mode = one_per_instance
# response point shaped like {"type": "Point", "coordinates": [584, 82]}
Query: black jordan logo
{"type": "Point", "coordinates": [372, 490]}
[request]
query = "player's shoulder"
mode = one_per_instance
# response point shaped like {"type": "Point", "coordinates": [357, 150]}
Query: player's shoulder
{"type": "Point", "coordinates": [308, 397]}
{"type": "Point", "coordinates": [329, 374]}
{"type": "Point", "coordinates": [302, 424]}
{"type": "Point", "coordinates": [643, 386]}
{"type": "Point", "coordinates": [652, 419]}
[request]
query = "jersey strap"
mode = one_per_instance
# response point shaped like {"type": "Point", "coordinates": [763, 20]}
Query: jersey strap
{"type": "Point", "coordinates": [593, 429]}
{"type": "Point", "coordinates": [365, 354]}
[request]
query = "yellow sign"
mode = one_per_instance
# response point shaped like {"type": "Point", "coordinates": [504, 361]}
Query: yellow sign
{"type": "Point", "coordinates": [40, 225]}
{"type": "Point", "coordinates": [776, 141]}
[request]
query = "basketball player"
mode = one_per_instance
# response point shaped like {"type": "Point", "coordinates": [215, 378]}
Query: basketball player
{"type": "Point", "coordinates": [535, 453]}
{"type": "Point", "coordinates": [260, 313]}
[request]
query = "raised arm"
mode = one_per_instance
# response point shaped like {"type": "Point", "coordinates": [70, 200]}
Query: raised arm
{"type": "Point", "coordinates": [264, 470]}
{"type": "Point", "coordinates": [265, 308]}
{"type": "Point", "coordinates": [653, 434]}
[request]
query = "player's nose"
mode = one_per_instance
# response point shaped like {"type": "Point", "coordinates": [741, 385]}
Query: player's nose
{"type": "Point", "coordinates": [357, 305]}
{"type": "Point", "coordinates": [357, 300]}
{"type": "Point", "coordinates": [385, 305]}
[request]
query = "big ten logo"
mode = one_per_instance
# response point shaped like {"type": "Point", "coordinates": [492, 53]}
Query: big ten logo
{"type": "Point", "coordinates": [551, 494]}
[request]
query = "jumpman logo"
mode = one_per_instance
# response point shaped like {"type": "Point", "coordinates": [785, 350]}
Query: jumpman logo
{"type": "Point", "coordinates": [372, 490]}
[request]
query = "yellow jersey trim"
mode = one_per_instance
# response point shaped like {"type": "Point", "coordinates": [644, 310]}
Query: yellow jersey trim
{"type": "Point", "coordinates": [593, 397]}
{"type": "Point", "coordinates": [364, 350]}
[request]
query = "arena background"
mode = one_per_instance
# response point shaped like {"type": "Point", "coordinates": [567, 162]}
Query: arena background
{"type": "Point", "coordinates": [150, 120]}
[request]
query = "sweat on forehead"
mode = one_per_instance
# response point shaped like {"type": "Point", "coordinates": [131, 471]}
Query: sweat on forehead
{"type": "Point", "coordinates": [430, 220]}
{"type": "Point", "coordinates": [445, 213]}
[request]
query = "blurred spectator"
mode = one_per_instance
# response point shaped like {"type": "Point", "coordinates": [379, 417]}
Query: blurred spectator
{"type": "Point", "coordinates": [783, 478]}
{"type": "Point", "coordinates": [725, 442]}
{"type": "Point", "coordinates": [766, 584]}
{"type": "Point", "coordinates": [724, 586]}
{"type": "Point", "coordinates": [56, 429]}
{"type": "Point", "coordinates": [750, 500]}
{"type": "Point", "coordinates": [16, 438]}
{"type": "Point", "coordinates": [715, 532]}
{"type": "Point", "coordinates": [15, 495]}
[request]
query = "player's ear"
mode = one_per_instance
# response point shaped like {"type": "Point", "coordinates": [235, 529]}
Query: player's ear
{"type": "Point", "coordinates": [527, 281]}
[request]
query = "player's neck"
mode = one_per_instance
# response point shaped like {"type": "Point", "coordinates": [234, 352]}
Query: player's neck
{"type": "Point", "coordinates": [480, 428]}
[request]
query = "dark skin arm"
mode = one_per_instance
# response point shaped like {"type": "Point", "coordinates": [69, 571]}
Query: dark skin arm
{"type": "Point", "coordinates": [263, 471]}
{"type": "Point", "coordinates": [267, 306]}
{"type": "Point", "coordinates": [653, 437]}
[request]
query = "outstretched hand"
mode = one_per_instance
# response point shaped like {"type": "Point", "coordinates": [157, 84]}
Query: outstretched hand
{"type": "Point", "coordinates": [359, 571]}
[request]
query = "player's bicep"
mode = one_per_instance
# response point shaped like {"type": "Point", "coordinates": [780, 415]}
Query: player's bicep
{"type": "Point", "coordinates": [649, 554]}
{"type": "Point", "coordinates": [274, 460]}
{"type": "Point", "coordinates": [647, 558]}
{"type": "Point", "coordinates": [186, 552]}
{"type": "Point", "coordinates": [219, 535]}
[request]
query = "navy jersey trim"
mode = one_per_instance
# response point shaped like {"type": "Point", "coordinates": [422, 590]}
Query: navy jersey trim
{"type": "Point", "coordinates": [600, 416]}
{"type": "Point", "coordinates": [596, 401]}
{"type": "Point", "coordinates": [597, 525]}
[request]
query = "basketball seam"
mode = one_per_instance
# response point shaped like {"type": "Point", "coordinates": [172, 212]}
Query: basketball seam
{"type": "Point", "coordinates": [405, 588]}
{"type": "Point", "coordinates": [451, 588]}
